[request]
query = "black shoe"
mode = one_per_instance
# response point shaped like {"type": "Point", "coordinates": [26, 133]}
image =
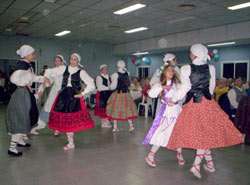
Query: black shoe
{"type": "Point", "coordinates": [26, 145]}
{"type": "Point", "coordinates": [15, 154]}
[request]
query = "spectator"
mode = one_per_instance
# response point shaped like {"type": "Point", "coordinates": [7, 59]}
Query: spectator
{"type": "Point", "coordinates": [248, 90]}
{"type": "Point", "coordinates": [236, 93]}
{"type": "Point", "coordinates": [229, 83]}
{"type": "Point", "coordinates": [44, 69]}
{"type": "Point", "coordinates": [135, 86]}
{"type": "Point", "coordinates": [220, 89]}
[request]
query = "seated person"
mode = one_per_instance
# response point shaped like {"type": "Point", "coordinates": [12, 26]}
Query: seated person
{"type": "Point", "coordinates": [236, 93]}
{"type": "Point", "coordinates": [144, 91]}
{"type": "Point", "coordinates": [135, 86]}
{"type": "Point", "coordinates": [220, 89]}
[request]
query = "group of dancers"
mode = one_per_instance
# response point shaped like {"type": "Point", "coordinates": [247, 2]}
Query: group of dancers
{"type": "Point", "coordinates": [199, 124]}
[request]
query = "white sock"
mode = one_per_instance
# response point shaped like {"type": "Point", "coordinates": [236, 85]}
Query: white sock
{"type": "Point", "coordinates": [179, 154]}
{"type": "Point", "coordinates": [70, 136]}
{"type": "Point", "coordinates": [15, 138]}
{"type": "Point", "coordinates": [41, 125]}
{"type": "Point", "coordinates": [115, 124]}
{"type": "Point", "coordinates": [130, 123]}
{"type": "Point", "coordinates": [208, 157]}
{"type": "Point", "coordinates": [199, 156]}
{"type": "Point", "coordinates": [153, 151]}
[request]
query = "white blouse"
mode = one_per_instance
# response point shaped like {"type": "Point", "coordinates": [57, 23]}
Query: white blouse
{"type": "Point", "coordinates": [186, 84]}
{"type": "Point", "coordinates": [22, 77]}
{"type": "Point", "coordinates": [58, 71]}
{"type": "Point", "coordinates": [99, 84]}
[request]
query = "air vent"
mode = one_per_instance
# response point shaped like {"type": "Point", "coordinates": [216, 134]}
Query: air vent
{"type": "Point", "coordinates": [186, 6]}
{"type": "Point", "coordinates": [22, 23]}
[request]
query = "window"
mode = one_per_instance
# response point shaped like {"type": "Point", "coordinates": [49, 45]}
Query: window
{"type": "Point", "coordinates": [142, 72]}
{"type": "Point", "coordinates": [233, 69]}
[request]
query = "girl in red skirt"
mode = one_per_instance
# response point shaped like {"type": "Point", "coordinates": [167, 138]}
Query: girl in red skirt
{"type": "Point", "coordinates": [69, 113]}
{"type": "Point", "coordinates": [201, 125]}
{"type": "Point", "coordinates": [103, 82]}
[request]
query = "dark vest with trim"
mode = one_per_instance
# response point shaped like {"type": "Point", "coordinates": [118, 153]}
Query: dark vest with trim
{"type": "Point", "coordinates": [22, 65]}
{"type": "Point", "coordinates": [123, 82]}
{"type": "Point", "coordinates": [239, 94]}
{"type": "Point", "coordinates": [199, 78]}
{"type": "Point", "coordinates": [75, 80]}
{"type": "Point", "coordinates": [105, 80]}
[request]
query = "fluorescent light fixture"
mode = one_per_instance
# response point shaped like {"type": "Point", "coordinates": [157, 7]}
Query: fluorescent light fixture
{"type": "Point", "coordinates": [65, 32]}
{"type": "Point", "coordinates": [141, 53]}
{"type": "Point", "coordinates": [221, 44]}
{"type": "Point", "coordinates": [129, 9]}
{"type": "Point", "coordinates": [136, 30]}
{"type": "Point", "coordinates": [239, 6]}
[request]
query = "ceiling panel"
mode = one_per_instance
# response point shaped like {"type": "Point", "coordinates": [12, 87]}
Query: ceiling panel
{"type": "Point", "coordinates": [101, 25]}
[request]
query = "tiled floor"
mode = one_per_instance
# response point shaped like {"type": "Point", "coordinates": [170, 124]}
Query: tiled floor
{"type": "Point", "coordinates": [105, 158]}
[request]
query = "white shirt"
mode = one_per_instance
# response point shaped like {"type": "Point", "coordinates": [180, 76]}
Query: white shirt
{"type": "Point", "coordinates": [58, 71]}
{"type": "Point", "coordinates": [99, 83]}
{"type": "Point", "coordinates": [232, 97]}
{"type": "Point", "coordinates": [22, 77]}
{"type": "Point", "coordinates": [186, 84]}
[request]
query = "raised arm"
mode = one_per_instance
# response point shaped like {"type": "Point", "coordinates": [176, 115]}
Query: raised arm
{"type": "Point", "coordinates": [155, 90]}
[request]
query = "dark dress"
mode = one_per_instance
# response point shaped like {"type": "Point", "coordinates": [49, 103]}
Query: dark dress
{"type": "Point", "coordinates": [22, 113]}
{"type": "Point", "coordinates": [69, 114]}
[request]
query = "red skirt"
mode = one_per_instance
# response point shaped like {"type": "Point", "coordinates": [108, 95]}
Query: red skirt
{"type": "Point", "coordinates": [203, 126]}
{"type": "Point", "coordinates": [72, 121]}
{"type": "Point", "coordinates": [99, 111]}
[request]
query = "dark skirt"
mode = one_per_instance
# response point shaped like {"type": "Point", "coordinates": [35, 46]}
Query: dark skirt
{"type": "Point", "coordinates": [101, 103]}
{"type": "Point", "coordinates": [69, 114]}
{"type": "Point", "coordinates": [22, 113]}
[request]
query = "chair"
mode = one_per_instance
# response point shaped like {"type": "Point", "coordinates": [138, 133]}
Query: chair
{"type": "Point", "coordinates": [146, 102]}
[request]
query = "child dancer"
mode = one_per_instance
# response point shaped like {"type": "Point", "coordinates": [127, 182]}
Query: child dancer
{"type": "Point", "coordinates": [57, 83]}
{"type": "Point", "coordinates": [201, 125]}
{"type": "Point", "coordinates": [120, 105]}
{"type": "Point", "coordinates": [166, 117]}
{"type": "Point", "coordinates": [169, 57]}
{"type": "Point", "coordinates": [69, 113]}
{"type": "Point", "coordinates": [103, 83]}
{"type": "Point", "coordinates": [22, 112]}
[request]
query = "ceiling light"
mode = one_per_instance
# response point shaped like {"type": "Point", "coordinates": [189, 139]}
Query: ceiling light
{"type": "Point", "coordinates": [82, 25]}
{"type": "Point", "coordinates": [136, 30]}
{"type": "Point", "coordinates": [129, 9]}
{"type": "Point", "coordinates": [180, 20]}
{"type": "Point", "coordinates": [220, 44]}
{"type": "Point", "coordinates": [65, 32]}
{"type": "Point", "coordinates": [140, 53]}
{"type": "Point", "coordinates": [239, 6]}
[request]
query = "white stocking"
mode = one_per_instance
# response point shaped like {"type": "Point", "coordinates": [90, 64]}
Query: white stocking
{"type": "Point", "coordinates": [153, 151]}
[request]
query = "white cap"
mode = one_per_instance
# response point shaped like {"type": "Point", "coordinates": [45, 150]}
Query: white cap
{"type": "Point", "coordinates": [62, 58]}
{"type": "Point", "coordinates": [25, 50]}
{"type": "Point", "coordinates": [102, 66]}
{"type": "Point", "coordinates": [169, 57]}
{"type": "Point", "coordinates": [79, 58]}
{"type": "Point", "coordinates": [121, 64]}
{"type": "Point", "coordinates": [201, 52]}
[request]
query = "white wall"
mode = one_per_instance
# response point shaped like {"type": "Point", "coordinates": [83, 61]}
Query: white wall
{"type": "Point", "coordinates": [93, 54]}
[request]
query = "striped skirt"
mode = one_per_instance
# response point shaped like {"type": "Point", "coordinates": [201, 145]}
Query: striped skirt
{"type": "Point", "coordinates": [121, 106]}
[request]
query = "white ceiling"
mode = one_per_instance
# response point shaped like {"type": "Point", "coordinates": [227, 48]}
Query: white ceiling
{"type": "Point", "coordinates": [102, 25]}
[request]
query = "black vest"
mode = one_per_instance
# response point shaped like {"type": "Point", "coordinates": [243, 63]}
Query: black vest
{"type": "Point", "coordinates": [199, 78]}
{"type": "Point", "coordinates": [75, 80]}
{"type": "Point", "coordinates": [123, 83]}
{"type": "Point", "coordinates": [105, 81]}
{"type": "Point", "coordinates": [22, 65]}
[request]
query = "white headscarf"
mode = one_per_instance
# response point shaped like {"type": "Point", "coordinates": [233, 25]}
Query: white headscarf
{"type": "Point", "coordinates": [169, 57]}
{"type": "Point", "coordinates": [62, 58]}
{"type": "Point", "coordinates": [102, 66]}
{"type": "Point", "coordinates": [79, 58]}
{"type": "Point", "coordinates": [25, 50]}
{"type": "Point", "coordinates": [201, 52]}
{"type": "Point", "coordinates": [121, 66]}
